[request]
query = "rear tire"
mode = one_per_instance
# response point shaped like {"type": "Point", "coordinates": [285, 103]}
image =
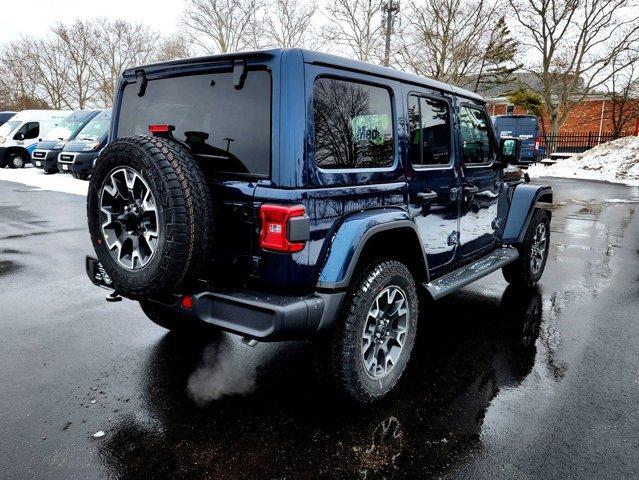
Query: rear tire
{"type": "Point", "coordinates": [366, 338]}
{"type": "Point", "coordinates": [533, 252]}
{"type": "Point", "coordinates": [182, 200]}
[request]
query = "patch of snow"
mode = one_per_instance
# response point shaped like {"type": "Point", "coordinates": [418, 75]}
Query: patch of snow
{"type": "Point", "coordinates": [35, 177]}
{"type": "Point", "coordinates": [98, 434]}
{"type": "Point", "coordinates": [616, 161]}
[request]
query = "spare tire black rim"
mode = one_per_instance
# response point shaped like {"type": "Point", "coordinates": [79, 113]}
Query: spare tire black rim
{"type": "Point", "coordinates": [385, 330]}
{"type": "Point", "coordinates": [129, 218]}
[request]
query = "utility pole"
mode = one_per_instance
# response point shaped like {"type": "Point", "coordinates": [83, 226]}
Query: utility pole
{"type": "Point", "coordinates": [390, 9]}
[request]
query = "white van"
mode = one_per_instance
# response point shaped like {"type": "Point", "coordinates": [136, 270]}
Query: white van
{"type": "Point", "coordinates": [21, 133]}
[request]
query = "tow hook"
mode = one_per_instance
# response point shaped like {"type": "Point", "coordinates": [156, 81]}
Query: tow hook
{"type": "Point", "coordinates": [114, 297]}
{"type": "Point", "coordinates": [251, 342]}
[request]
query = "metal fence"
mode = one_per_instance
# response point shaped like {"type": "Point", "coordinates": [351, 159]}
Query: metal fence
{"type": "Point", "coordinates": [567, 143]}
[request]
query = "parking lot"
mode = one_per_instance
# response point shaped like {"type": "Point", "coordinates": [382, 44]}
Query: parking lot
{"type": "Point", "coordinates": [506, 384]}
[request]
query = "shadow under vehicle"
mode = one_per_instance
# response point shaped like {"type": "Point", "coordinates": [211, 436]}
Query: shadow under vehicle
{"type": "Point", "coordinates": [290, 428]}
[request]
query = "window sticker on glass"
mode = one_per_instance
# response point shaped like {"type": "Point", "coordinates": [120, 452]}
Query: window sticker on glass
{"type": "Point", "coordinates": [371, 128]}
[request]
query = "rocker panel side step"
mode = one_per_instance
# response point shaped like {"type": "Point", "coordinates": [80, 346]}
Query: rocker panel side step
{"type": "Point", "coordinates": [457, 279]}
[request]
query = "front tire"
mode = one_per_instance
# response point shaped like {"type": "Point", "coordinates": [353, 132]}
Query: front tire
{"type": "Point", "coordinates": [374, 335]}
{"type": "Point", "coordinates": [533, 252]}
{"type": "Point", "coordinates": [16, 160]}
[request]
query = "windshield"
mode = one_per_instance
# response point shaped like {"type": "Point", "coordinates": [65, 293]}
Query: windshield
{"type": "Point", "coordinates": [7, 128]}
{"type": "Point", "coordinates": [228, 129]}
{"type": "Point", "coordinates": [69, 127]}
{"type": "Point", "coordinates": [97, 129]}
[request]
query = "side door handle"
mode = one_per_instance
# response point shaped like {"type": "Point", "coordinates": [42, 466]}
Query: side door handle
{"type": "Point", "coordinates": [427, 196]}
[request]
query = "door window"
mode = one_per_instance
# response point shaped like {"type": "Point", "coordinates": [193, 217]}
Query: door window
{"type": "Point", "coordinates": [353, 125]}
{"type": "Point", "coordinates": [475, 133]}
{"type": "Point", "coordinates": [429, 123]}
{"type": "Point", "coordinates": [30, 130]}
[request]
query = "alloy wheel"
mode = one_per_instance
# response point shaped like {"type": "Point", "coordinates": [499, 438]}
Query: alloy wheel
{"type": "Point", "coordinates": [538, 248]}
{"type": "Point", "coordinates": [130, 225]}
{"type": "Point", "coordinates": [385, 331]}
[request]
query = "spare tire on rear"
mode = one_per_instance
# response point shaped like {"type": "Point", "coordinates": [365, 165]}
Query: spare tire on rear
{"type": "Point", "coordinates": [150, 215]}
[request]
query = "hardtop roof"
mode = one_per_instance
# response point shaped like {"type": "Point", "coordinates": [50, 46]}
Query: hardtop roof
{"type": "Point", "coordinates": [319, 58]}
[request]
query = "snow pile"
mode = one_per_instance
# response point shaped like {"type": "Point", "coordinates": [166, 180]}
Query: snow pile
{"type": "Point", "coordinates": [616, 161]}
{"type": "Point", "coordinates": [35, 177]}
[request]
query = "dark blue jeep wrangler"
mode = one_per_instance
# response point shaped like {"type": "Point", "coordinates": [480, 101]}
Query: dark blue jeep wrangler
{"type": "Point", "coordinates": [288, 194]}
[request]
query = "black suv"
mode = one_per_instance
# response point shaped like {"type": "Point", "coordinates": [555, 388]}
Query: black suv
{"type": "Point", "coordinates": [288, 194]}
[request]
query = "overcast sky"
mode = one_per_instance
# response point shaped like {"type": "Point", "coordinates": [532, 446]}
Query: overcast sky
{"type": "Point", "coordinates": [35, 17]}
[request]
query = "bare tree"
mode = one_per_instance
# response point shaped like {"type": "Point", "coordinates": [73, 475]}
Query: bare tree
{"type": "Point", "coordinates": [221, 26]}
{"type": "Point", "coordinates": [623, 92]}
{"type": "Point", "coordinates": [173, 47]}
{"type": "Point", "coordinates": [287, 23]}
{"type": "Point", "coordinates": [76, 48]}
{"type": "Point", "coordinates": [116, 45]}
{"type": "Point", "coordinates": [34, 69]}
{"type": "Point", "coordinates": [572, 45]}
{"type": "Point", "coordinates": [451, 40]}
{"type": "Point", "coordinates": [357, 26]}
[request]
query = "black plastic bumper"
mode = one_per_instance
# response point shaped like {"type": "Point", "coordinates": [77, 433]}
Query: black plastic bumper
{"type": "Point", "coordinates": [49, 161]}
{"type": "Point", "coordinates": [76, 162]}
{"type": "Point", "coordinates": [258, 315]}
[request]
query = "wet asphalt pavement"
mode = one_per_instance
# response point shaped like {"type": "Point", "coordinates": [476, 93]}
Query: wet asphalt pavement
{"type": "Point", "coordinates": [503, 384]}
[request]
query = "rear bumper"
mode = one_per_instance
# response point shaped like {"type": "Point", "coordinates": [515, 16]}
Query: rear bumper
{"type": "Point", "coordinates": [259, 315]}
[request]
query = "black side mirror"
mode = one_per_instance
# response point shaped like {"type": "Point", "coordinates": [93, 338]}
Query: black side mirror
{"type": "Point", "coordinates": [509, 150]}
{"type": "Point", "coordinates": [18, 136]}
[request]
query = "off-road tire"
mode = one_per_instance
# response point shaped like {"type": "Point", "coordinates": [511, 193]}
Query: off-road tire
{"type": "Point", "coordinates": [165, 317]}
{"type": "Point", "coordinates": [341, 354]}
{"type": "Point", "coordinates": [16, 160]}
{"type": "Point", "coordinates": [185, 214]}
{"type": "Point", "coordinates": [519, 272]}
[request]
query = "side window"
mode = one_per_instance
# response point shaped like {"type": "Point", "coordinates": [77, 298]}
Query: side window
{"type": "Point", "coordinates": [353, 125]}
{"type": "Point", "coordinates": [30, 130]}
{"type": "Point", "coordinates": [33, 130]}
{"type": "Point", "coordinates": [429, 123]}
{"type": "Point", "coordinates": [475, 134]}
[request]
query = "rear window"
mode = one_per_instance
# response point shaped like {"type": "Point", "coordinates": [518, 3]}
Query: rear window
{"type": "Point", "coordinates": [227, 128]}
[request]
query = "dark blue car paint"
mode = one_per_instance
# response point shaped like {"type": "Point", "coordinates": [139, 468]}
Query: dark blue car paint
{"type": "Point", "coordinates": [346, 207]}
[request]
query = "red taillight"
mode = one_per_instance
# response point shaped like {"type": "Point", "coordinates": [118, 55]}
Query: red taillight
{"type": "Point", "coordinates": [187, 302]}
{"type": "Point", "coordinates": [537, 144]}
{"type": "Point", "coordinates": [161, 128]}
{"type": "Point", "coordinates": [275, 225]}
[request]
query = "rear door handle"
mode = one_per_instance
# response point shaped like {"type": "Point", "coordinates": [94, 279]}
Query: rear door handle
{"type": "Point", "coordinates": [427, 196]}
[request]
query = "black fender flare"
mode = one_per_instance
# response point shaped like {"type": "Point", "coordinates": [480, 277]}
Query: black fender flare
{"type": "Point", "coordinates": [350, 239]}
{"type": "Point", "coordinates": [524, 199]}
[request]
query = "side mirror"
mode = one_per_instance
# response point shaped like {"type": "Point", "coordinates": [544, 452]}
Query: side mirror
{"type": "Point", "coordinates": [509, 150]}
{"type": "Point", "coordinates": [18, 136]}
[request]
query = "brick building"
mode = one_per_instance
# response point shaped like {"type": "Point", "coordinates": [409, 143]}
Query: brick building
{"type": "Point", "coordinates": [592, 115]}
